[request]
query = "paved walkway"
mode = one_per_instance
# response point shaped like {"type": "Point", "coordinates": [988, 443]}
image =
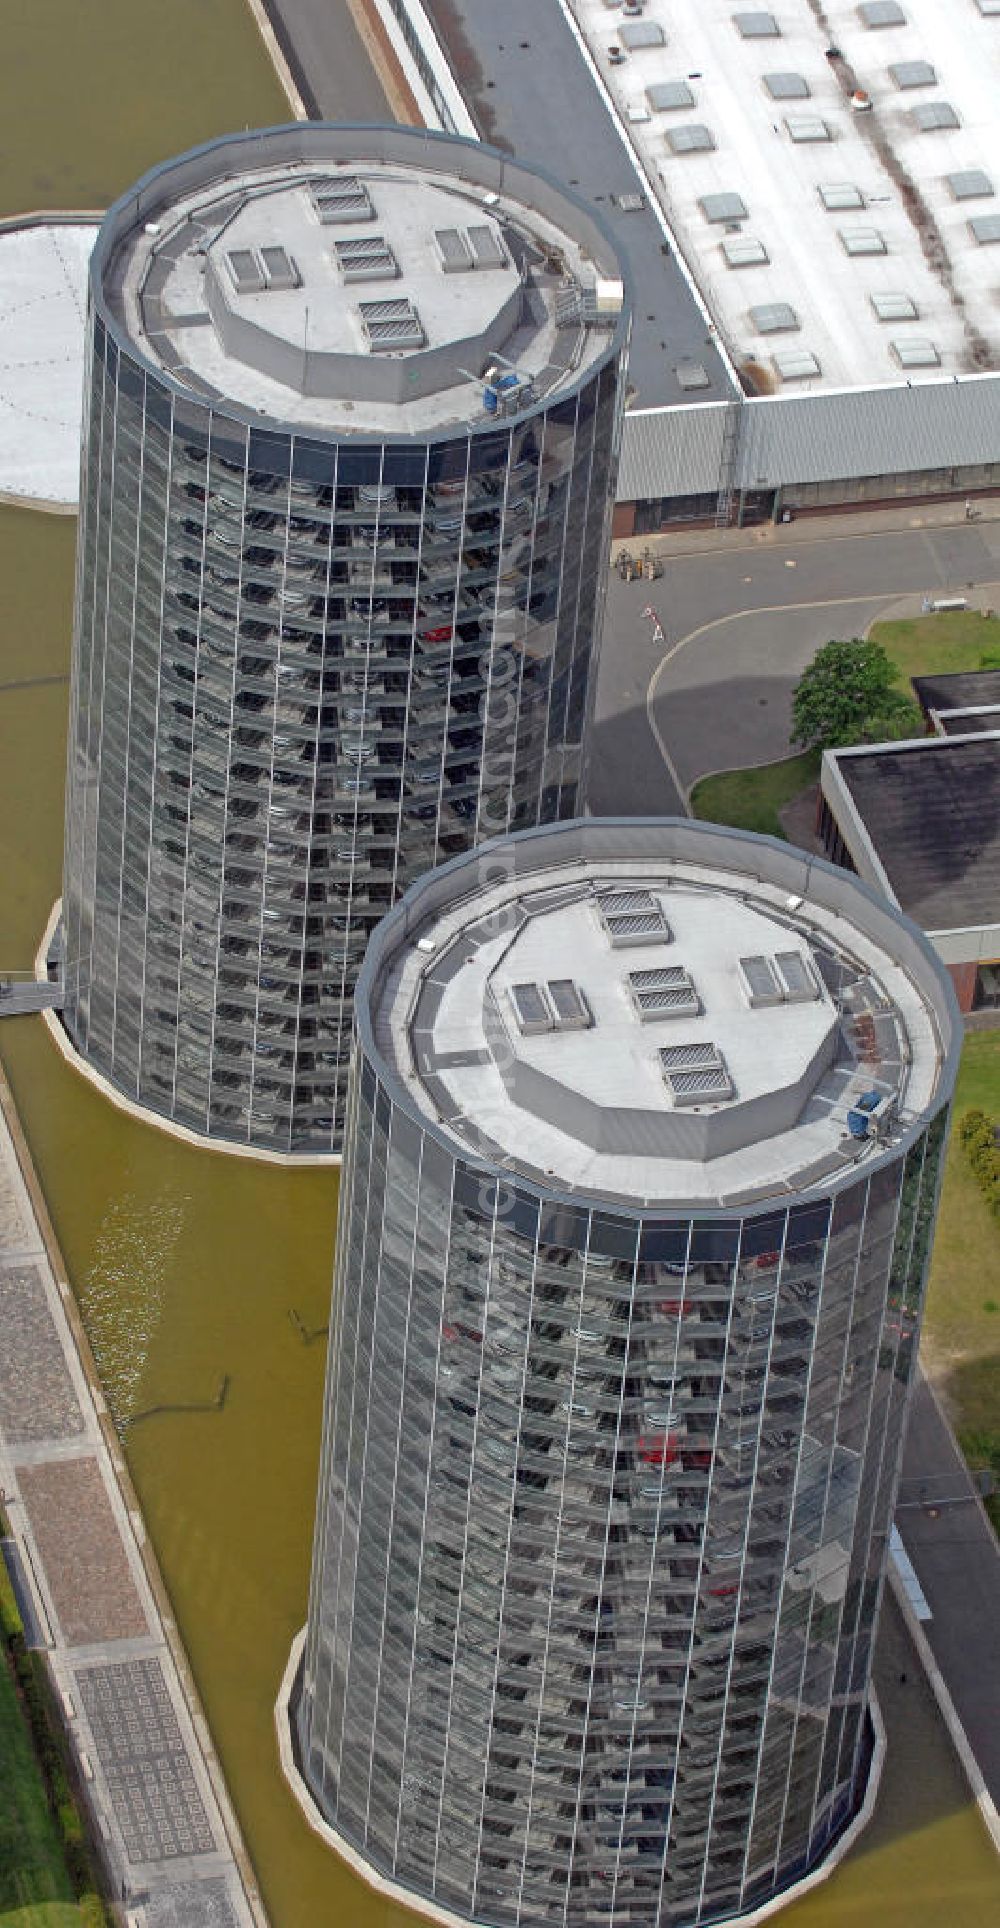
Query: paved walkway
{"type": "Point", "coordinates": [956, 1558]}
{"type": "Point", "coordinates": [169, 1836]}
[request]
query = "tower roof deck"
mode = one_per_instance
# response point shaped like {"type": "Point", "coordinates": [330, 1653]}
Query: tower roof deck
{"type": "Point", "coordinates": [646, 1024]}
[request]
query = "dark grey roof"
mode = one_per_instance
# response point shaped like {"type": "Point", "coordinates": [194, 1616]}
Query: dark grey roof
{"type": "Point", "coordinates": [959, 690]}
{"type": "Point", "coordinates": [932, 813]}
{"type": "Point", "coordinates": [567, 128]}
{"type": "Point", "coordinates": [969, 722]}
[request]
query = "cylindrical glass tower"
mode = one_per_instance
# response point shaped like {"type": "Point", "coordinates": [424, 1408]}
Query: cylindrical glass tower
{"type": "Point", "coordinates": [353, 409]}
{"type": "Point", "coordinates": [641, 1176]}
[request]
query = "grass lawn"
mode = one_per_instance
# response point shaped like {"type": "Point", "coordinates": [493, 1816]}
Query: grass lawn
{"type": "Point", "coordinates": [34, 1887]}
{"type": "Point", "coordinates": [936, 645]}
{"type": "Point", "coordinates": [961, 1342]}
{"type": "Point", "coordinates": [751, 799]}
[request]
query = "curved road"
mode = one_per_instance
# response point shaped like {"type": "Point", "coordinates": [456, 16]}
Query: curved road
{"type": "Point", "coordinates": [741, 620]}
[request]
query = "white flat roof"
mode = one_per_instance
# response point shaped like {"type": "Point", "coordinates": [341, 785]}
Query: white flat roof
{"type": "Point", "coordinates": [752, 1096]}
{"type": "Point", "coordinates": [763, 150]}
{"type": "Point", "coordinates": [43, 299]}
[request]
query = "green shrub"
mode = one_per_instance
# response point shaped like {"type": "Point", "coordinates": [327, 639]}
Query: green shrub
{"type": "Point", "coordinates": [978, 1140]}
{"type": "Point", "coordinates": [93, 1913]}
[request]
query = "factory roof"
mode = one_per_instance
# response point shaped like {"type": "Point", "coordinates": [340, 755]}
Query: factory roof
{"type": "Point", "coordinates": [374, 280]}
{"type": "Point", "coordinates": [649, 1013]}
{"type": "Point", "coordinates": [832, 177]}
{"type": "Point", "coordinates": [928, 812]}
{"type": "Point", "coordinates": [962, 689]}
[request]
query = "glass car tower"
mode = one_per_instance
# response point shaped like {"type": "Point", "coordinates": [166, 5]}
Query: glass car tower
{"type": "Point", "coordinates": [352, 414]}
{"type": "Point", "coordinates": [642, 1165]}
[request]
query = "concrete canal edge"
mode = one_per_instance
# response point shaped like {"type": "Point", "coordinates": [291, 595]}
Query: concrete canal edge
{"type": "Point", "coordinates": [130, 1502]}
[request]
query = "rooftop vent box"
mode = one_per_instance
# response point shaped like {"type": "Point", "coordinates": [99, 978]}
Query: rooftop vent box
{"type": "Point", "coordinates": [341, 197]}
{"type": "Point", "coordinates": [991, 8]}
{"type": "Point", "coordinates": [366, 258]}
{"type": "Point", "coordinates": [893, 307]}
{"type": "Point", "coordinates": [691, 375]}
{"type": "Point", "coordinates": [531, 1009]}
{"type": "Point", "coordinates": [693, 138]}
{"type": "Point", "coordinates": [609, 296]}
{"type": "Point", "coordinates": [802, 128]}
{"type": "Point", "coordinates": [861, 241]}
{"type": "Point", "coordinates": [743, 251]}
{"type": "Point", "coordinates": [391, 326]}
{"type": "Point", "coordinates": [881, 13]}
{"type": "Point", "coordinates": [666, 993]}
{"type": "Point", "coordinates": [795, 364]}
{"type": "Point", "coordinates": [631, 203]}
{"type": "Point", "coordinates": [841, 194]}
{"type": "Point", "coordinates": [723, 207]}
{"type": "Point", "coordinates": [635, 34]}
{"type": "Point", "coordinates": [756, 26]}
{"type": "Point", "coordinates": [632, 917]}
{"type": "Point", "coordinates": [453, 251]}
{"type": "Point", "coordinates": [773, 318]}
{"type": "Point", "coordinates": [912, 73]}
{"type": "Point", "coordinates": [759, 981]}
{"type": "Point", "coordinates": [787, 86]}
{"type": "Point", "coordinates": [985, 228]}
{"type": "Point", "coordinates": [246, 270]}
{"type": "Point", "coordinates": [933, 115]}
{"type": "Point", "coordinates": [970, 184]}
{"type": "Point", "coordinates": [280, 269]}
{"type": "Point", "coordinates": [796, 977]}
{"type": "Point", "coordinates": [695, 1074]}
{"type": "Point", "coordinates": [666, 95]}
{"type": "Point", "coordinates": [488, 250]}
{"type": "Point", "coordinates": [572, 1012]}
{"type": "Point", "coordinates": [915, 352]}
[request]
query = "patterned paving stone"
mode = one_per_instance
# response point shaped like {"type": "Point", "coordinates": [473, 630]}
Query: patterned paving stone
{"type": "Point", "coordinates": [192, 1904]}
{"type": "Point", "coordinates": [150, 1780]}
{"type": "Point", "coordinates": [37, 1400]}
{"type": "Point", "coordinates": [77, 1535]}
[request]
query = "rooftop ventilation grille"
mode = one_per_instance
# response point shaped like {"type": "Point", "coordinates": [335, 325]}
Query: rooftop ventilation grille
{"type": "Point", "coordinates": [253, 270]}
{"type": "Point", "coordinates": [667, 993]}
{"type": "Point", "coordinates": [461, 249]}
{"type": "Point", "coordinates": [695, 1073]}
{"type": "Point", "coordinates": [632, 917]}
{"type": "Point", "coordinates": [784, 979]}
{"type": "Point", "coordinates": [642, 33]}
{"type": "Point", "coordinates": [756, 26]}
{"type": "Point", "coordinates": [367, 258]}
{"type": "Point", "coordinates": [559, 1005]}
{"type": "Point", "coordinates": [391, 326]}
{"type": "Point", "coordinates": [723, 207]}
{"type": "Point", "coordinates": [881, 13]}
{"type": "Point", "coordinates": [933, 115]}
{"type": "Point", "coordinates": [893, 307]}
{"type": "Point", "coordinates": [341, 198]}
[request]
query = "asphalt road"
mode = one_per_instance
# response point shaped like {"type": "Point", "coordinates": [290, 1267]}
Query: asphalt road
{"type": "Point", "coordinates": [741, 621]}
{"type": "Point", "coordinates": [957, 1560]}
{"type": "Point", "coordinates": [329, 61]}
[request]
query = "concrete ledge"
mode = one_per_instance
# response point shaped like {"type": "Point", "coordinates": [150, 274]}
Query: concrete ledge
{"type": "Point", "coordinates": [407, 1897]}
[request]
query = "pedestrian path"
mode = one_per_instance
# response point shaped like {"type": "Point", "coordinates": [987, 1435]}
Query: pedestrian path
{"type": "Point", "coordinates": [93, 1602]}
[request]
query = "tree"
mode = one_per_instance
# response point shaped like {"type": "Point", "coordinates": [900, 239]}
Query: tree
{"type": "Point", "coordinates": [846, 696]}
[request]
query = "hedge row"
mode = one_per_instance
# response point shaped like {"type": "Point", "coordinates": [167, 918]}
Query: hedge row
{"type": "Point", "coordinates": [32, 1682]}
{"type": "Point", "coordinates": [979, 1142]}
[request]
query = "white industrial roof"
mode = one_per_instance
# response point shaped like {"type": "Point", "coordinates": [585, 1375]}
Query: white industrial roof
{"type": "Point", "coordinates": [43, 298]}
{"type": "Point", "coordinates": [778, 146]}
